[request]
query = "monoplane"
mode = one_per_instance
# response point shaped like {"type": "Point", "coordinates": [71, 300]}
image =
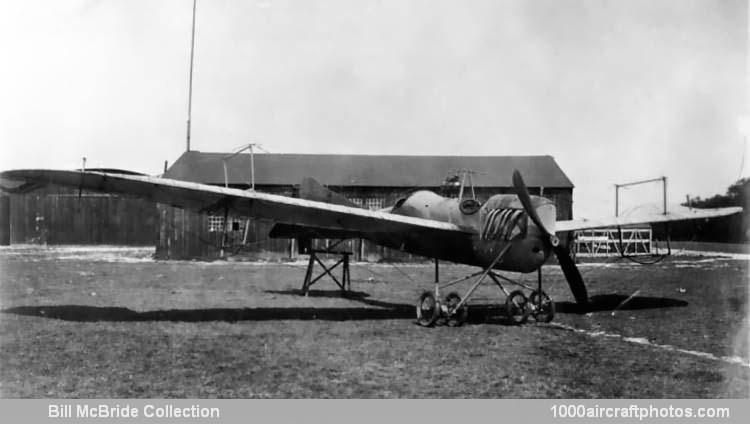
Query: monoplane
{"type": "Point", "coordinates": [508, 232]}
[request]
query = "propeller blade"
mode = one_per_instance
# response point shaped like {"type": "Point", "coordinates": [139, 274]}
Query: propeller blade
{"type": "Point", "coordinates": [572, 275]}
{"type": "Point", "coordinates": [570, 270]}
{"type": "Point", "coordinates": [523, 195]}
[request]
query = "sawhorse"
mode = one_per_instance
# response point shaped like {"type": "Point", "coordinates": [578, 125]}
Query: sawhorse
{"type": "Point", "coordinates": [344, 284]}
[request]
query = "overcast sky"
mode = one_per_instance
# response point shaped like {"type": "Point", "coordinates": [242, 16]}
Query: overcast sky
{"type": "Point", "coordinates": [615, 91]}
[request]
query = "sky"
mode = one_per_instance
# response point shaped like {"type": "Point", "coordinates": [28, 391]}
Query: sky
{"type": "Point", "coordinates": [615, 91]}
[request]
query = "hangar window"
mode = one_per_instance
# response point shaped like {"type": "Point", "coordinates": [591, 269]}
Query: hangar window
{"type": "Point", "coordinates": [215, 223]}
{"type": "Point", "coordinates": [374, 203]}
{"type": "Point", "coordinates": [357, 200]}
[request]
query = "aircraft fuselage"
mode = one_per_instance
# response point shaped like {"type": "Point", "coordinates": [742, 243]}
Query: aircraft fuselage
{"type": "Point", "coordinates": [499, 222]}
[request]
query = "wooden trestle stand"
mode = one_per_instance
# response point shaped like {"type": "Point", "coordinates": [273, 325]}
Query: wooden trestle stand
{"type": "Point", "coordinates": [305, 247]}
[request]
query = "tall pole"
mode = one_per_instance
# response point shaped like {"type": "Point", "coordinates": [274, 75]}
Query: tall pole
{"type": "Point", "coordinates": [190, 87]}
{"type": "Point", "coordinates": [617, 199]}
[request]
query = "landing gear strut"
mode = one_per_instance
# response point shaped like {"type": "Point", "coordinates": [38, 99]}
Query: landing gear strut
{"type": "Point", "coordinates": [453, 310]}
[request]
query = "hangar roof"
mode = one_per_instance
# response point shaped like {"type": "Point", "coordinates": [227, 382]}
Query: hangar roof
{"type": "Point", "coordinates": [367, 170]}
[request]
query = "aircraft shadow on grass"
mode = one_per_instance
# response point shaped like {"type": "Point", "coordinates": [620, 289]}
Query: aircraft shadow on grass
{"type": "Point", "coordinates": [373, 310]}
{"type": "Point", "coordinates": [610, 302]}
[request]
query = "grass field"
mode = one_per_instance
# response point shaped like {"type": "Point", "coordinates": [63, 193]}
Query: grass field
{"type": "Point", "coordinates": [80, 322]}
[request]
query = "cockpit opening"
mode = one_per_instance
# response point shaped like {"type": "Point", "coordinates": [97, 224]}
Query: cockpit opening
{"type": "Point", "coordinates": [469, 206]}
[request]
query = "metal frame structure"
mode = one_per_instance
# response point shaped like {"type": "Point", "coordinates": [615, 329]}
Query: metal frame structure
{"type": "Point", "coordinates": [224, 160]}
{"type": "Point", "coordinates": [620, 231]}
{"type": "Point", "coordinates": [605, 242]}
{"type": "Point", "coordinates": [619, 186]}
{"type": "Point", "coordinates": [241, 149]}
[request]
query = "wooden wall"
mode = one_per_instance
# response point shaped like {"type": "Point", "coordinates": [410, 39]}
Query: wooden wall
{"type": "Point", "coordinates": [183, 234]}
{"type": "Point", "coordinates": [63, 216]}
{"type": "Point", "coordinates": [4, 220]}
{"type": "Point", "coordinates": [58, 215]}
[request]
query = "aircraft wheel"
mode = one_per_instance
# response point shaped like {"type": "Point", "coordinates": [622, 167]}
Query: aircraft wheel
{"type": "Point", "coordinates": [543, 312]}
{"type": "Point", "coordinates": [517, 307]}
{"type": "Point", "coordinates": [456, 318]}
{"type": "Point", "coordinates": [428, 309]}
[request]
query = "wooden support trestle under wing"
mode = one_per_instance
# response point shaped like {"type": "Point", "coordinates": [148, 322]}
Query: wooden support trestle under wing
{"type": "Point", "coordinates": [345, 283]}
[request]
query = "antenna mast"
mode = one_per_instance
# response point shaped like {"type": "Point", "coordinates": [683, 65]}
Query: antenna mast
{"type": "Point", "coordinates": [190, 86]}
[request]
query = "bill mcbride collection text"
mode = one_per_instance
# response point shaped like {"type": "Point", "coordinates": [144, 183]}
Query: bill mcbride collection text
{"type": "Point", "coordinates": [102, 410]}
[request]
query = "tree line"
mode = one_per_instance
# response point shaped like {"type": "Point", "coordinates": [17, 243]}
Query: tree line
{"type": "Point", "coordinates": [730, 229]}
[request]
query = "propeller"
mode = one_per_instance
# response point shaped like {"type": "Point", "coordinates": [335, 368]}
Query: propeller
{"type": "Point", "coordinates": [569, 268]}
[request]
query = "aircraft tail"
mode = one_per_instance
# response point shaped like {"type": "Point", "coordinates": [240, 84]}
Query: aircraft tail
{"type": "Point", "coordinates": [310, 189]}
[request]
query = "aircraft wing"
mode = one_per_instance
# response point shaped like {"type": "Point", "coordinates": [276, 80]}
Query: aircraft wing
{"type": "Point", "coordinates": [298, 213]}
{"type": "Point", "coordinates": [647, 215]}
